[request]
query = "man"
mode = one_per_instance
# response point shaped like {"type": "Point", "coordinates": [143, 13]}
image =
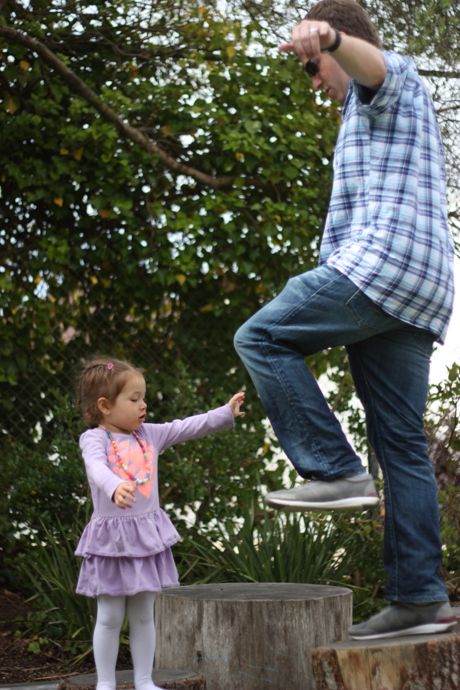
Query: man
{"type": "Point", "coordinates": [383, 289]}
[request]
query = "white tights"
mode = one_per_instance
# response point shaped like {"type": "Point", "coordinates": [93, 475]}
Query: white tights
{"type": "Point", "coordinates": [106, 639]}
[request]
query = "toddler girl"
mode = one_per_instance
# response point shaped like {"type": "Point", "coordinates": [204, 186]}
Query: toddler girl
{"type": "Point", "coordinates": [126, 546]}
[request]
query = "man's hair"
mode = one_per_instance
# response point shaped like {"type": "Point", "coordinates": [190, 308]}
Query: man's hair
{"type": "Point", "coordinates": [347, 16]}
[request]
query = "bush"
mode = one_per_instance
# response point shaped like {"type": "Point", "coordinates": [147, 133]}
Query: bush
{"type": "Point", "coordinates": [344, 550]}
{"type": "Point", "coordinates": [50, 570]}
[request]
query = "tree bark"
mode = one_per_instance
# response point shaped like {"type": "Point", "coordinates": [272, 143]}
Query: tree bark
{"type": "Point", "coordinates": [419, 662]}
{"type": "Point", "coordinates": [249, 636]}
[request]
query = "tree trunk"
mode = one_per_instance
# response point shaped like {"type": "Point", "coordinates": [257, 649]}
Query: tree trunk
{"type": "Point", "coordinates": [418, 662]}
{"type": "Point", "coordinates": [250, 636]}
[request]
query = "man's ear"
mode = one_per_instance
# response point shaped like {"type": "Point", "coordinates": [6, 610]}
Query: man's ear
{"type": "Point", "coordinates": [103, 405]}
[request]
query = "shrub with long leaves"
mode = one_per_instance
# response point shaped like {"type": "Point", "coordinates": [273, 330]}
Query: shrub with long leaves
{"type": "Point", "coordinates": [282, 547]}
{"type": "Point", "coordinates": [59, 615]}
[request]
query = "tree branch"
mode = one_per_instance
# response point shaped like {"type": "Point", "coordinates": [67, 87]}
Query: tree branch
{"type": "Point", "coordinates": [446, 74]}
{"type": "Point", "coordinates": [125, 129]}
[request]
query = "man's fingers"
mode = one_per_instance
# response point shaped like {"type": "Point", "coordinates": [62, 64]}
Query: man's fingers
{"type": "Point", "coordinates": [306, 40]}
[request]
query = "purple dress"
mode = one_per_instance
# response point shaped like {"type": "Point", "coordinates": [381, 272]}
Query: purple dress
{"type": "Point", "coordinates": [126, 551]}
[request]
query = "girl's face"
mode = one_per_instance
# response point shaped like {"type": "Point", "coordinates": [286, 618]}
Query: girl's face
{"type": "Point", "coordinates": [128, 411]}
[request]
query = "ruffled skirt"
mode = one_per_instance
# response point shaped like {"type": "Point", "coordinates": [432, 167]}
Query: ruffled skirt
{"type": "Point", "coordinates": [126, 555]}
{"type": "Point", "coordinates": [127, 576]}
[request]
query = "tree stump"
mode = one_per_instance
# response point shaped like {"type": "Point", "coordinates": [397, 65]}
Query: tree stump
{"type": "Point", "coordinates": [417, 662]}
{"type": "Point", "coordinates": [250, 636]}
{"type": "Point", "coordinates": [166, 678]}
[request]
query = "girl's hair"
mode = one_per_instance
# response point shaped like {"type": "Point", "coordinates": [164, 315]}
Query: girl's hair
{"type": "Point", "coordinates": [348, 16]}
{"type": "Point", "coordinates": [101, 377]}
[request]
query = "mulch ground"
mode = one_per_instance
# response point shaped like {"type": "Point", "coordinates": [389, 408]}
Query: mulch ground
{"type": "Point", "coordinates": [17, 663]}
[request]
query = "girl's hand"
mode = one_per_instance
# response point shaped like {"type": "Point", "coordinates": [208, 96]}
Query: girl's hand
{"type": "Point", "coordinates": [124, 495]}
{"type": "Point", "coordinates": [235, 403]}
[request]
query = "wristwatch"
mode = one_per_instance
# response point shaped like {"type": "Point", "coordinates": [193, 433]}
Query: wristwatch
{"type": "Point", "coordinates": [335, 45]}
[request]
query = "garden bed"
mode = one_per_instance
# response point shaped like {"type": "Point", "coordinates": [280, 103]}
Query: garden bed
{"type": "Point", "coordinates": [17, 662]}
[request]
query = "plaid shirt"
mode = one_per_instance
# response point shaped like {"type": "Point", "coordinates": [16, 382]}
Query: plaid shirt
{"type": "Point", "coordinates": [386, 228]}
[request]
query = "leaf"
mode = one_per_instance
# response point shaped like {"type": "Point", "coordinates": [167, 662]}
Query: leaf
{"type": "Point", "coordinates": [59, 201]}
{"type": "Point", "coordinates": [11, 105]}
{"type": "Point", "coordinates": [252, 126]}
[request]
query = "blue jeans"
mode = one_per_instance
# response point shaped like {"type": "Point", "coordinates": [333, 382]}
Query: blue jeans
{"type": "Point", "coordinates": [390, 363]}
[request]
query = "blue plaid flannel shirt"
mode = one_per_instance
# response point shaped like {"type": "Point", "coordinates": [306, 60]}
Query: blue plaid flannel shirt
{"type": "Point", "coordinates": [387, 228]}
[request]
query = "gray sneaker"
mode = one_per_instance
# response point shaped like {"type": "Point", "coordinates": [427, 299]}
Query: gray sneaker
{"type": "Point", "coordinates": [406, 619]}
{"type": "Point", "coordinates": [348, 493]}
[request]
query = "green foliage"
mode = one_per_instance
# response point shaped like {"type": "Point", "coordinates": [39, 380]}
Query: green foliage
{"type": "Point", "coordinates": [450, 529]}
{"type": "Point", "coordinates": [46, 481]}
{"type": "Point", "coordinates": [440, 42]}
{"type": "Point", "coordinates": [50, 571]}
{"type": "Point", "coordinates": [103, 249]}
{"type": "Point", "coordinates": [285, 548]}
{"type": "Point", "coordinates": [104, 213]}
{"type": "Point", "coordinates": [443, 427]}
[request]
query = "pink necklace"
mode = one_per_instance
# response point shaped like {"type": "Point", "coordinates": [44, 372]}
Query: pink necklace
{"type": "Point", "coordinates": [123, 464]}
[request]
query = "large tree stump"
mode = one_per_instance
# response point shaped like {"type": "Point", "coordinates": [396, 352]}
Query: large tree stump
{"type": "Point", "coordinates": [417, 662]}
{"type": "Point", "coordinates": [250, 636]}
{"type": "Point", "coordinates": [167, 679]}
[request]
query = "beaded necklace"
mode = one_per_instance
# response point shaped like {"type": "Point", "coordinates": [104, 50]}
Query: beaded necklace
{"type": "Point", "coordinates": [123, 464]}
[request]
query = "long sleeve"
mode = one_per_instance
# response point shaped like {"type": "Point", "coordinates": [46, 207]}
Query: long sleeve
{"type": "Point", "coordinates": [196, 426]}
{"type": "Point", "coordinates": [93, 446]}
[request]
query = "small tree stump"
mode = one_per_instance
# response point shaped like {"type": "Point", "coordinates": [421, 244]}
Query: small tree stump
{"type": "Point", "coordinates": [166, 678]}
{"type": "Point", "coordinates": [250, 636]}
{"type": "Point", "coordinates": [417, 662]}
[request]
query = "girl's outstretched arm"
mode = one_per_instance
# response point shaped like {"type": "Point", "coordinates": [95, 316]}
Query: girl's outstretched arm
{"type": "Point", "coordinates": [165, 435]}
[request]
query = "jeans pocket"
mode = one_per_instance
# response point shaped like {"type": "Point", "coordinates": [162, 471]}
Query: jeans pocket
{"type": "Point", "coordinates": [368, 315]}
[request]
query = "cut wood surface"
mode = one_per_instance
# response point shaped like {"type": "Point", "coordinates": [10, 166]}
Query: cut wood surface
{"type": "Point", "coordinates": [250, 636]}
{"type": "Point", "coordinates": [416, 662]}
{"type": "Point", "coordinates": [167, 679]}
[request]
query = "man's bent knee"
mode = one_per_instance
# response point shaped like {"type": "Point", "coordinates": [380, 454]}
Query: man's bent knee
{"type": "Point", "coordinates": [249, 335]}
{"type": "Point", "coordinates": [242, 337]}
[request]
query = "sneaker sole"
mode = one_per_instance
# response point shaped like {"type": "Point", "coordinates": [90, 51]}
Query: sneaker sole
{"type": "Point", "coordinates": [343, 504]}
{"type": "Point", "coordinates": [426, 629]}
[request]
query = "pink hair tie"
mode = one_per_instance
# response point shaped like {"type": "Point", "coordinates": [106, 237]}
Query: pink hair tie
{"type": "Point", "coordinates": [109, 365]}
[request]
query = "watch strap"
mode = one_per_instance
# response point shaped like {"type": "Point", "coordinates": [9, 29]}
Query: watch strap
{"type": "Point", "coordinates": [335, 45]}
